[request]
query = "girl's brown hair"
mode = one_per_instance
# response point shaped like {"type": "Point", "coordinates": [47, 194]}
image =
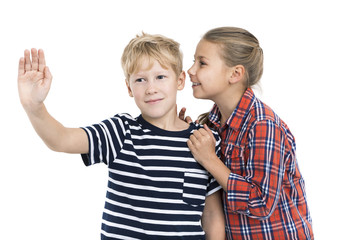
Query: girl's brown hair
{"type": "Point", "coordinates": [237, 47]}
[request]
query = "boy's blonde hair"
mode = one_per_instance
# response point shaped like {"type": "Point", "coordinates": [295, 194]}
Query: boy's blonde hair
{"type": "Point", "coordinates": [152, 47]}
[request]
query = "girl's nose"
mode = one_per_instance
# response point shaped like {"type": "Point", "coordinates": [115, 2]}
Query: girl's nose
{"type": "Point", "coordinates": [191, 71]}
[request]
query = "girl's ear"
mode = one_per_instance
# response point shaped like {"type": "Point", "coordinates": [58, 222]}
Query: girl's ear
{"type": "Point", "coordinates": [181, 80]}
{"type": "Point", "coordinates": [238, 74]}
{"type": "Point", "coordinates": [128, 88]}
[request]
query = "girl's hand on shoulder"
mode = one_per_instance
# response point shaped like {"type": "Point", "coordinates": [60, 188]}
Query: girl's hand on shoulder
{"type": "Point", "coordinates": [202, 146]}
{"type": "Point", "coordinates": [187, 119]}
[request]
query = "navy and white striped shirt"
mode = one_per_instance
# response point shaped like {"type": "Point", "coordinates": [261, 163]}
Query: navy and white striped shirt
{"type": "Point", "coordinates": [156, 190]}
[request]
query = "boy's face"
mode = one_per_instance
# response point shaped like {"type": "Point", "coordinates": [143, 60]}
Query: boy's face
{"type": "Point", "coordinates": [155, 89]}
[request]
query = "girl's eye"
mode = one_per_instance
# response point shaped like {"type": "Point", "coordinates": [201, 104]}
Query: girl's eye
{"type": "Point", "coordinates": [202, 63]}
{"type": "Point", "coordinates": [161, 77]}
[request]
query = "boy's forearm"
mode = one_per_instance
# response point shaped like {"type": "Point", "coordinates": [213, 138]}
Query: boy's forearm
{"type": "Point", "coordinates": [49, 129]}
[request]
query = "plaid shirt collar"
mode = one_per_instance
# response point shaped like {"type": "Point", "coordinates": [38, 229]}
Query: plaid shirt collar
{"type": "Point", "coordinates": [239, 114]}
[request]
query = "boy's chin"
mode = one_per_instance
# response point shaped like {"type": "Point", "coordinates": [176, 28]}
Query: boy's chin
{"type": "Point", "coordinates": [155, 114]}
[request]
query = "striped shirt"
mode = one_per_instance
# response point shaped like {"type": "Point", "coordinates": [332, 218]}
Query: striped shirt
{"type": "Point", "coordinates": [265, 196]}
{"type": "Point", "coordinates": [156, 189]}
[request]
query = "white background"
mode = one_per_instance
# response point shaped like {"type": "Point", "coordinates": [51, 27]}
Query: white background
{"type": "Point", "coordinates": [49, 195]}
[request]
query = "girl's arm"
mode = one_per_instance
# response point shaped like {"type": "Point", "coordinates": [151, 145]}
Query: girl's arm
{"type": "Point", "coordinates": [213, 219]}
{"type": "Point", "coordinates": [34, 81]}
{"type": "Point", "coordinates": [254, 195]}
{"type": "Point", "coordinates": [202, 146]}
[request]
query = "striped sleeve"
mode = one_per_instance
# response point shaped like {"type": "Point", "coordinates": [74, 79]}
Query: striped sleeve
{"type": "Point", "coordinates": [213, 186]}
{"type": "Point", "coordinates": [105, 140]}
{"type": "Point", "coordinates": [257, 193]}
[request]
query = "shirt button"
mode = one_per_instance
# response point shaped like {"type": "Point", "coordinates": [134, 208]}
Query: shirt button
{"type": "Point", "coordinates": [229, 153]}
{"type": "Point", "coordinates": [252, 186]}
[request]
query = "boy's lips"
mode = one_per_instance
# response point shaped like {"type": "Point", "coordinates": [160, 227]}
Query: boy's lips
{"type": "Point", "coordinates": [153, 101]}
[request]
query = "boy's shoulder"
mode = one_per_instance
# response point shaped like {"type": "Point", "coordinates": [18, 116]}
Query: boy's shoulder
{"type": "Point", "coordinates": [198, 126]}
{"type": "Point", "coordinates": [125, 118]}
{"type": "Point", "coordinates": [120, 120]}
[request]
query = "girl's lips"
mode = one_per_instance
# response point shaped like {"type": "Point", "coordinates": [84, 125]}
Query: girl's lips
{"type": "Point", "coordinates": [194, 84]}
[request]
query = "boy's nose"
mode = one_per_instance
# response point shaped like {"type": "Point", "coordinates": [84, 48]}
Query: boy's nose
{"type": "Point", "coordinates": [151, 89]}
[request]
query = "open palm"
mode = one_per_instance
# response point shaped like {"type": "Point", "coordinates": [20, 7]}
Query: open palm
{"type": "Point", "coordinates": [34, 78]}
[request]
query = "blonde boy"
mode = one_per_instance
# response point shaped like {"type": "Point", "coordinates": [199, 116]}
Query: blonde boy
{"type": "Point", "coordinates": [156, 190]}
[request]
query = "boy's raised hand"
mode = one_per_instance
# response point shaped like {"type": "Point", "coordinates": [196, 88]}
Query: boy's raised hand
{"type": "Point", "coordinates": [34, 79]}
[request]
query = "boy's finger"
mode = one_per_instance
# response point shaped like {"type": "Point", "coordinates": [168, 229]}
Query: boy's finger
{"type": "Point", "coordinates": [28, 65]}
{"type": "Point", "coordinates": [21, 70]}
{"type": "Point", "coordinates": [42, 62]}
{"type": "Point", "coordinates": [48, 75]}
{"type": "Point", "coordinates": [34, 59]}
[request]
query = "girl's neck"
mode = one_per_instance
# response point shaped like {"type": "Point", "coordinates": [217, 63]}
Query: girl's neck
{"type": "Point", "coordinates": [227, 103]}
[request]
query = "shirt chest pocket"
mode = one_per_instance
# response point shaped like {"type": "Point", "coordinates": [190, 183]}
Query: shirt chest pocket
{"type": "Point", "coordinates": [194, 188]}
{"type": "Point", "coordinates": [235, 159]}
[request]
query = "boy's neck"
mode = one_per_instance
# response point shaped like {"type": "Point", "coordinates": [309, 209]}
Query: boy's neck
{"type": "Point", "coordinates": [170, 122]}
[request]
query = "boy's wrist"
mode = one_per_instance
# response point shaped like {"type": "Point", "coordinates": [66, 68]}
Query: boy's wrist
{"type": "Point", "coordinates": [35, 109]}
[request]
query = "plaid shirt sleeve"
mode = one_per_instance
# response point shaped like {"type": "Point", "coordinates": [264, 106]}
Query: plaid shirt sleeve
{"type": "Point", "coordinates": [257, 192]}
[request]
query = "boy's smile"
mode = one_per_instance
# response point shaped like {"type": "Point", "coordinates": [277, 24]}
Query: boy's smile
{"type": "Point", "coordinates": [154, 89]}
{"type": "Point", "coordinates": [154, 101]}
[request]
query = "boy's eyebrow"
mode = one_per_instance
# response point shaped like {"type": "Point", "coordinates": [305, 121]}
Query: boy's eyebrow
{"type": "Point", "coordinates": [143, 73]}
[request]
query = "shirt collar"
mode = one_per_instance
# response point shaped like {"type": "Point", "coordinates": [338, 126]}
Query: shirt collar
{"type": "Point", "coordinates": [238, 115]}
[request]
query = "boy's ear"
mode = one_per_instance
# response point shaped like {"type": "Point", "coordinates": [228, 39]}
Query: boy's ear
{"type": "Point", "coordinates": [238, 74]}
{"type": "Point", "coordinates": [128, 88]}
{"type": "Point", "coordinates": [181, 80]}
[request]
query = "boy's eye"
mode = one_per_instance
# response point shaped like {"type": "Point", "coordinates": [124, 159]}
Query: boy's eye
{"type": "Point", "coordinates": [140, 80]}
{"type": "Point", "coordinates": [202, 63]}
{"type": "Point", "coordinates": [161, 77]}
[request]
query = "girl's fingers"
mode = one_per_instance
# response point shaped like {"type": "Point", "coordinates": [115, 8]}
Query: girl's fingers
{"type": "Point", "coordinates": [182, 113]}
{"type": "Point", "coordinates": [209, 131]}
{"type": "Point", "coordinates": [197, 134]}
{"type": "Point", "coordinates": [188, 119]}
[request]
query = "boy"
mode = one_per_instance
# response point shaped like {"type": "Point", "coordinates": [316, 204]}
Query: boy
{"type": "Point", "coordinates": [156, 190]}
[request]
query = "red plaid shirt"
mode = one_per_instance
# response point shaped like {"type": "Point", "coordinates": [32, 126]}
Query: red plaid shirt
{"type": "Point", "coordinates": [265, 197]}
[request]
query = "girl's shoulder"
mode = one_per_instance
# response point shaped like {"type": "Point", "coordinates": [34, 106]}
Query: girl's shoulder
{"type": "Point", "coordinates": [262, 112]}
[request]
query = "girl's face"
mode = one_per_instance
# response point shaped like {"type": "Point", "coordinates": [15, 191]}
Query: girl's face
{"type": "Point", "coordinates": [209, 74]}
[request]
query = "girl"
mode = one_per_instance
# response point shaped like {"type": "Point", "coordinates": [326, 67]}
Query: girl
{"type": "Point", "coordinates": [264, 192]}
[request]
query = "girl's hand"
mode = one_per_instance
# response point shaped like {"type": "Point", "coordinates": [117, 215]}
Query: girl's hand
{"type": "Point", "coordinates": [34, 79]}
{"type": "Point", "coordinates": [202, 146]}
{"type": "Point", "coordinates": [187, 119]}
